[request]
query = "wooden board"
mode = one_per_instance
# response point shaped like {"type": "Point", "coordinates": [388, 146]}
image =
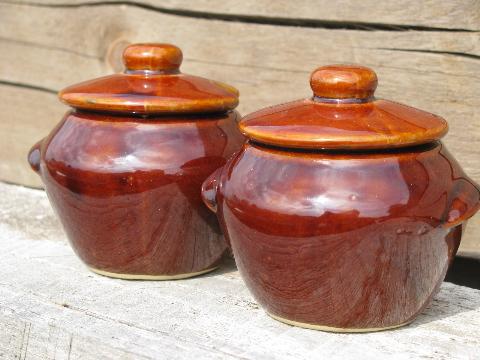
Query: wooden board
{"type": "Point", "coordinates": [52, 307]}
{"type": "Point", "coordinates": [49, 45]}
{"type": "Point", "coordinates": [369, 14]}
{"type": "Point", "coordinates": [20, 125]}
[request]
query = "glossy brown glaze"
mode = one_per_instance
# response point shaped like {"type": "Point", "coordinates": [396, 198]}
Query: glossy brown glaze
{"type": "Point", "coordinates": [126, 184]}
{"type": "Point", "coordinates": [346, 241]}
{"type": "Point", "coordinates": [153, 57]}
{"type": "Point", "coordinates": [354, 231]}
{"type": "Point", "coordinates": [343, 82]}
{"type": "Point", "coordinates": [152, 83]}
{"type": "Point", "coordinates": [343, 123]}
{"type": "Point", "coordinates": [128, 191]}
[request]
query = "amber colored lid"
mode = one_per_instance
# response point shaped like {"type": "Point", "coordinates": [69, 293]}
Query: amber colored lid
{"type": "Point", "coordinates": [343, 114]}
{"type": "Point", "coordinates": [151, 84]}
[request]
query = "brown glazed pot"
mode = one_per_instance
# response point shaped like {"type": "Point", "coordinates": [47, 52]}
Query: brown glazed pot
{"type": "Point", "coordinates": [343, 211]}
{"type": "Point", "coordinates": [124, 169]}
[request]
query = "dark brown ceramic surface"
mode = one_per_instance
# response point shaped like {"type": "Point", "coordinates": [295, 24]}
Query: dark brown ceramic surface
{"type": "Point", "coordinates": [127, 188]}
{"type": "Point", "coordinates": [352, 120]}
{"type": "Point", "coordinates": [342, 240]}
{"type": "Point", "coordinates": [152, 83]}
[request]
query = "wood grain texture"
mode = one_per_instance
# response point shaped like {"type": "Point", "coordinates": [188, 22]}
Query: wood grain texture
{"type": "Point", "coordinates": [45, 48]}
{"type": "Point", "coordinates": [55, 308]}
{"type": "Point", "coordinates": [369, 14]}
{"type": "Point", "coordinates": [20, 124]}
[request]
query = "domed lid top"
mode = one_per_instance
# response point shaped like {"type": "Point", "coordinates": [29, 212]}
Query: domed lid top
{"type": "Point", "coordinates": [343, 114]}
{"type": "Point", "coordinates": [152, 84]}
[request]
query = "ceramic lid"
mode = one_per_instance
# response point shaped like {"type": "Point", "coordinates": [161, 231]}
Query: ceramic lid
{"type": "Point", "coordinates": [151, 84]}
{"type": "Point", "coordinates": [343, 114]}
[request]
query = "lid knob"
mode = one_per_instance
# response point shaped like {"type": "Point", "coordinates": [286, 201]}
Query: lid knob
{"type": "Point", "coordinates": [153, 57]}
{"type": "Point", "coordinates": [343, 82]}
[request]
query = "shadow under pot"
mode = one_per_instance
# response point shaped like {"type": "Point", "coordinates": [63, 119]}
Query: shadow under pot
{"type": "Point", "coordinates": [123, 171]}
{"type": "Point", "coordinates": [343, 211]}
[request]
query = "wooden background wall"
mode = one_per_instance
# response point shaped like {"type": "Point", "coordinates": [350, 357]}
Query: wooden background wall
{"type": "Point", "coordinates": [426, 54]}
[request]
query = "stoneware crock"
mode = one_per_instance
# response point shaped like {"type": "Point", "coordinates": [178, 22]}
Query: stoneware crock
{"type": "Point", "coordinates": [343, 211]}
{"type": "Point", "coordinates": [124, 169]}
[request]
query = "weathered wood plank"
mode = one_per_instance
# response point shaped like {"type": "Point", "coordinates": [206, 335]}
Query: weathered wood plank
{"type": "Point", "coordinates": [32, 339]}
{"type": "Point", "coordinates": [55, 308]}
{"type": "Point", "coordinates": [25, 115]}
{"type": "Point", "coordinates": [456, 14]}
{"type": "Point", "coordinates": [49, 48]}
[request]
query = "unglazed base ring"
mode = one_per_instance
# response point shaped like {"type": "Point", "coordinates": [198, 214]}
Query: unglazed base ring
{"type": "Point", "coordinates": [333, 329]}
{"type": "Point", "coordinates": [150, 277]}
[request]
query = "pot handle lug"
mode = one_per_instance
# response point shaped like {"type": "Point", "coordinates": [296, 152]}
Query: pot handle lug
{"type": "Point", "coordinates": [34, 156]}
{"type": "Point", "coordinates": [209, 190]}
{"type": "Point", "coordinates": [464, 205]}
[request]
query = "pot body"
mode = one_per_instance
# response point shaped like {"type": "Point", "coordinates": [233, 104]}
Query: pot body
{"type": "Point", "coordinates": [344, 242]}
{"type": "Point", "coordinates": [127, 190]}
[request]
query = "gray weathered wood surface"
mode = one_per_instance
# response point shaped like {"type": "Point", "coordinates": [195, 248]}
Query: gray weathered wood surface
{"type": "Point", "coordinates": [426, 53]}
{"type": "Point", "coordinates": [52, 307]}
{"type": "Point", "coordinates": [453, 14]}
